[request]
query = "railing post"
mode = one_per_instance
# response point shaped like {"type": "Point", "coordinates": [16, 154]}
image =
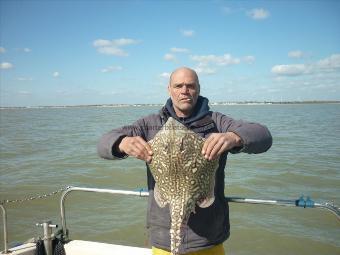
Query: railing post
{"type": "Point", "coordinates": [62, 213]}
{"type": "Point", "coordinates": [4, 219]}
{"type": "Point", "coordinates": [48, 236]}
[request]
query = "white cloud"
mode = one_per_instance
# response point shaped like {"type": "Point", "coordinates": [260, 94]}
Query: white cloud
{"type": "Point", "coordinates": [317, 84]}
{"type": "Point", "coordinates": [296, 54]}
{"type": "Point", "coordinates": [114, 42]}
{"type": "Point", "coordinates": [56, 74]}
{"type": "Point", "coordinates": [24, 93]}
{"type": "Point", "coordinates": [205, 70]}
{"type": "Point", "coordinates": [223, 60]}
{"type": "Point", "coordinates": [27, 50]}
{"type": "Point", "coordinates": [329, 64]}
{"type": "Point", "coordinates": [113, 47]}
{"type": "Point", "coordinates": [101, 43]}
{"type": "Point", "coordinates": [6, 65]}
{"type": "Point", "coordinates": [124, 41]}
{"type": "Point", "coordinates": [111, 69]}
{"type": "Point", "coordinates": [165, 75]}
{"type": "Point", "coordinates": [209, 64]}
{"type": "Point", "coordinates": [258, 13]}
{"type": "Point", "coordinates": [248, 59]}
{"type": "Point", "coordinates": [2, 50]}
{"type": "Point", "coordinates": [113, 51]}
{"type": "Point", "coordinates": [296, 69]}
{"type": "Point", "coordinates": [179, 50]}
{"type": "Point", "coordinates": [187, 33]}
{"type": "Point", "coordinates": [169, 57]}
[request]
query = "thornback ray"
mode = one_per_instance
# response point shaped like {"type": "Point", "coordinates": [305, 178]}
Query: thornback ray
{"type": "Point", "coordinates": [183, 176]}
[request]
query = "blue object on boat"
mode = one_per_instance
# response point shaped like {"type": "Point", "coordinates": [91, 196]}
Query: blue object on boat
{"type": "Point", "coordinates": [301, 202]}
{"type": "Point", "coordinates": [309, 203]}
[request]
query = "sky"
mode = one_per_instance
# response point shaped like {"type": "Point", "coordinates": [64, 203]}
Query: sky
{"type": "Point", "coordinates": [81, 52]}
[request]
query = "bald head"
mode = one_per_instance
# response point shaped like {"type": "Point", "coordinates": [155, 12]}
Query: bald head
{"type": "Point", "coordinates": [184, 71]}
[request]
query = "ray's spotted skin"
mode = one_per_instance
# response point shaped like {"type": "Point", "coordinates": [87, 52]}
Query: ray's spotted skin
{"type": "Point", "coordinates": [183, 176]}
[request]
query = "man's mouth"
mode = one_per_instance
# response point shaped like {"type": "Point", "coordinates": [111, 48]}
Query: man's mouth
{"type": "Point", "coordinates": [186, 99]}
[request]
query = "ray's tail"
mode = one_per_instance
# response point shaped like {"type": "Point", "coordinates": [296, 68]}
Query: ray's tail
{"type": "Point", "coordinates": [176, 230]}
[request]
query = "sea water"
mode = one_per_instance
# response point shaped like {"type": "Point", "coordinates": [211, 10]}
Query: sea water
{"type": "Point", "coordinates": [45, 149]}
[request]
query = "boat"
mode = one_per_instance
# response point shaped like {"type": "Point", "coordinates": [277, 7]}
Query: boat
{"type": "Point", "coordinates": [56, 240]}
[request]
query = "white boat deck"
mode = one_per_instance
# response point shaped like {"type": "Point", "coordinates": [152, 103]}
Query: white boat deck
{"type": "Point", "coordinates": [79, 247]}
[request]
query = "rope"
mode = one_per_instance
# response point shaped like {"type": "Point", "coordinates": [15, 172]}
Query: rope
{"type": "Point", "coordinates": [40, 248]}
{"type": "Point", "coordinates": [38, 196]}
{"type": "Point", "coordinates": [59, 248]}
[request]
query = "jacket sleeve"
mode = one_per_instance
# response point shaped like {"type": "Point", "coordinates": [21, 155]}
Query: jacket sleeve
{"type": "Point", "coordinates": [256, 137]}
{"type": "Point", "coordinates": [107, 146]}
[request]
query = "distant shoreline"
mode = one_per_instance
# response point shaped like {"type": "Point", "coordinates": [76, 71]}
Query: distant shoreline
{"type": "Point", "coordinates": [141, 105]}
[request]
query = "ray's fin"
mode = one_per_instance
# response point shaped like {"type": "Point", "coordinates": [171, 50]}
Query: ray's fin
{"type": "Point", "coordinates": [158, 197]}
{"type": "Point", "coordinates": [208, 201]}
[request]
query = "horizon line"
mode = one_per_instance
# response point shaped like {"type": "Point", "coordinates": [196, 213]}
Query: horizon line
{"type": "Point", "coordinates": [247, 102]}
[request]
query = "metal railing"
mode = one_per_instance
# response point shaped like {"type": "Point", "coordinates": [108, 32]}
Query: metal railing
{"type": "Point", "coordinates": [301, 202]}
{"type": "Point", "coordinates": [140, 193]}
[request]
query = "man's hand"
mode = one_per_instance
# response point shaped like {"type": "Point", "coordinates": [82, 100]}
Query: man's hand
{"type": "Point", "coordinates": [217, 143]}
{"type": "Point", "coordinates": [136, 147]}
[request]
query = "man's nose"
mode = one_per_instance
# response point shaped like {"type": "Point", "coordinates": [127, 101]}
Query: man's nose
{"type": "Point", "coordinates": [185, 89]}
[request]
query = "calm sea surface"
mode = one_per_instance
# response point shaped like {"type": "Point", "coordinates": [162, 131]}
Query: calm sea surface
{"type": "Point", "coordinates": [43, 150]}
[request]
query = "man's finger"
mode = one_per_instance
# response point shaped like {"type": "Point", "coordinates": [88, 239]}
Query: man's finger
{"type": "Point", "coordinates": [144, 150]}
{"type": "Point", "coordinates": [145, 145]}
{"type": "Point", "coordinates": [206, 143]}
{"type": "Point", "coordinates": [224, 147]}
{"type": "Point", "coordinates": [211, 146]}
{"type": "Point", "coordinates": [141, 151]}
{"type": "Point", "coordinates": [217, 147]}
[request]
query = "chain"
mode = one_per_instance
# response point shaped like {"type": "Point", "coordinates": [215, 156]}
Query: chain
{"type": "Point", "coordinates": [34, 197]}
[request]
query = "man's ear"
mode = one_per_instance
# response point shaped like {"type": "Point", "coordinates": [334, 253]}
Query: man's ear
{"type": "Point", "coordinates": [169, 89]}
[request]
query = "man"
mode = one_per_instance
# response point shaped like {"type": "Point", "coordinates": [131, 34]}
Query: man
{"type": "Point", "coordinates": [207, 228]}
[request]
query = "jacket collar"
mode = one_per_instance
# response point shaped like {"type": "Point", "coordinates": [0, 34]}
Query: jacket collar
{"type": "Point", "coordinates": [199, 121]}
{"type": "Point", "coordinates": [200, 110]}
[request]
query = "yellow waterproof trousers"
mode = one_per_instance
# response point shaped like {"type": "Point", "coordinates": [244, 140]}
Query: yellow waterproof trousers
{"type": "Point", "coordinates": [215, 250]}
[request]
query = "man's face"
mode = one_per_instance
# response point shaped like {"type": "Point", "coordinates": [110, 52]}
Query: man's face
{"type": "Point", "coordinates": [184, 90]}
